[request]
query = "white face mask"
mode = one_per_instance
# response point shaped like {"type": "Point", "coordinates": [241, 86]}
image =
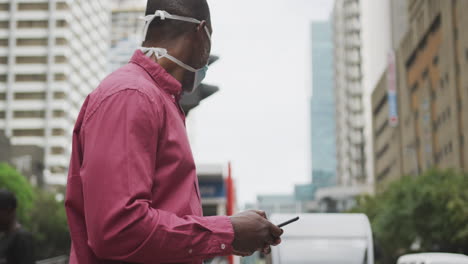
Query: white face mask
{"type": "Point", "coordinates": [162, 53]}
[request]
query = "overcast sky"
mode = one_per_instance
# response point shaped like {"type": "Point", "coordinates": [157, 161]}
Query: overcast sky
{"type": "Point", "coordinates": [260, 119]}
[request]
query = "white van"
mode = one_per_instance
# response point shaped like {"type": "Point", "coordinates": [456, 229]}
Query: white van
{"type": "Point", "coordinates": [433, 258]}
{"type": "Point", "coordinates": [324, 239]}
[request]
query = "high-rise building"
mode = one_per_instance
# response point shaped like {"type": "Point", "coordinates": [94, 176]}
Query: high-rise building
{"type": "Point", "coordinates": [52, 54]}
{"type": "Point", "coordinates": [350, 142]}
{"type": "Point", "coordinates": [127, 30]}
{"type": "Point", "coordinates": [363, 38]}
{"type": "Point", "coordinates": [323, 106]}
{"type": "Point", "coordinates": [432, 93]}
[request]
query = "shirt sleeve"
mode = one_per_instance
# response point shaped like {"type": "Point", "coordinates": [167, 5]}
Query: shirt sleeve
{"type": "Point", "coordinates": [120, 146]}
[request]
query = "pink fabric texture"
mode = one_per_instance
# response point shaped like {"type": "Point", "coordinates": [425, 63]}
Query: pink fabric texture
{"type": "Point", "coordinates": [132, 193]}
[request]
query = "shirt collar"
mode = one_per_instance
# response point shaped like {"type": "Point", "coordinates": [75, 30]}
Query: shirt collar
{"type": "Point", "coordinates": [163, 79]}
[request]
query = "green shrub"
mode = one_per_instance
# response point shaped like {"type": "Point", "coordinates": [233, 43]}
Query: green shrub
{"type": "Point", "coordinates": [430, 210]}
{"type": "Point", "coordinates": [40, 213]}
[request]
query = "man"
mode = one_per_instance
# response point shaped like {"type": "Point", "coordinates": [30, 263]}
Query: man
{"type": "Point", "coordinates": [16, 244]}
{"type": "Point", "coordinates": [132, 193]}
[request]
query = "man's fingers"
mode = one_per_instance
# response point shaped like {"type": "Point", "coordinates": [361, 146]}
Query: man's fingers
{"type": "Point", "coordinates": [277, 242]}
{"type": "Point", "coordinates": [261, 213]}
{"type": "Point", "coordinates": [267, 250]}
{"type": "Point", "coordinates": [269, 240]}
{"type": "Point", "coordinates": [275, 230]}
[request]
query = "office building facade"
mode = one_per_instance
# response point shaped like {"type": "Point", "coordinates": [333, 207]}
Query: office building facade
{"type": "Point", "coordinates": [52, 54]}
{"type": "Point", "coordinates": [432, 90]}
{"type": "Point", "coordinates": [434, 94]}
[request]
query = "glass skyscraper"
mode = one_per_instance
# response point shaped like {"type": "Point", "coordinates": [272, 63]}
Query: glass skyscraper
{"type": "Point", "coordinates": [322, 107]}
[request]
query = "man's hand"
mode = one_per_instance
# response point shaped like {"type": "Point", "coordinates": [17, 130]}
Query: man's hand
{"type": "Point", "coordinates": [254, 232]}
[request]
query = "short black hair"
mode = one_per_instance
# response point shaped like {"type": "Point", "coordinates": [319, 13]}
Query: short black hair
{"type": "Point", "coordinates": [7, 200]}
{"type": "Point", "coordinates": [170, 29]}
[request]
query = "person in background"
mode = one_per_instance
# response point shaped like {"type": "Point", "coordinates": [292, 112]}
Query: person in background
{"type": "Point", "coordinates": [16, 244]}
{"type": "Point", "coordinates": [132, 192]}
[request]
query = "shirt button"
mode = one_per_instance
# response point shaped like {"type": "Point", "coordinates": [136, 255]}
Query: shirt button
{"type": "Point", "coordinates": [190, 251]}
{"type": "Point", "coordinates": [223, 246]}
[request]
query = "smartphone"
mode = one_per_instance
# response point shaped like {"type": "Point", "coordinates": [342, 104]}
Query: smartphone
{"type": "Point", "coordinates": [289, 222]}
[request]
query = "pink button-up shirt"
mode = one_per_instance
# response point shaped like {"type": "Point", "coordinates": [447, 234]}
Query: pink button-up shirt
{"type": "Point", "coordinates": [132, 193]}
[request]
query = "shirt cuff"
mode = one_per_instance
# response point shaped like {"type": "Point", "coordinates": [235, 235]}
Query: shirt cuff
{"type": "Point", "coordinates": [221, 236]}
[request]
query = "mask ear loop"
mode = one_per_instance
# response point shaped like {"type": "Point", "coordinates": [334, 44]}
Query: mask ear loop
{"type": "Point", "coordinates": [162, 53]}
{"type": "Point", "coordinates": [163, 15]}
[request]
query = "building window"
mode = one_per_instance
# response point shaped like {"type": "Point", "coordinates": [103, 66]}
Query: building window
{"type": "Point", "coordinates": [4, 7]}
{"type": "Point", "coordinates": [33, 24]}
{"type": "Point", "coordinates": [62, 6]}
{"type": "Point", "coordinates": [435, 60]}
{"type": "Point", "coordinates": [60, 77]}
{"type": "Point", "coordinates": [3, 60]}
{"type": "Point", "coordinates": [381, 129]}
{"type": "Point", "coordinates": [425, 73]}
{"type": "Point", "coordinates": [384, 173]}
{"type": "Point", "coordinates": [381, 104]}
{"type": "Point", "coordinates": [29, 114]}
{"type": "Point", "coordinates": [58, 132]}
{"type": "Point", "coordinates": [61, 23]}
{"type": "Point", "coordinates": [60, 59]}
{"type": "Point", "coordinates": [28, 132]}
{"type": "Point", "coordinates": [58, 113]}
{"type": "Point", "coordinates": [33, 6]}
{"type": "Point", "coordinates": [3, 42]}
{"type": "Point", "coordinates": [2, 114]}
{"type": "Point", "coordinates": [32, 42]}
{"type": "Point", "coordinates": [31, 60]}
{"type": "Point", "coordinates": [3, 77]}
{"type": "Point", "coordinates": [382, 151]}
{"type": "Point", "coordinates": [30, 78]}
{"type": "Point", "coordinates": [61, 41]}
{"type": "Point", "coordinates": [4, 24]}
{"type": "Point", "coordinates": [59, 95]}
{"type": "Point", "coordinates": [3, 96]}
{"type": "Point", "coordinates": [57, 150]}
{"type": "Point", "coordinates": [30, 96]}
{"type": "Point", "coordinates": [414, 88]}
{"type": "Point", "coordinates": [58, 169]}
{"type": "Point", "coordinates": [443, 117]}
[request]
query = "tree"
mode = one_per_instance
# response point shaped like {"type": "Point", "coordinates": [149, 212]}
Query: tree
{"type": "Point", "coordinates": [40, 213]}
{"type": "Point", "coordinates": [13, 181]}
{"type": "Point", "coordinates": [49, 226]}
{"type": "Point", "coordinates": [429, 212]}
